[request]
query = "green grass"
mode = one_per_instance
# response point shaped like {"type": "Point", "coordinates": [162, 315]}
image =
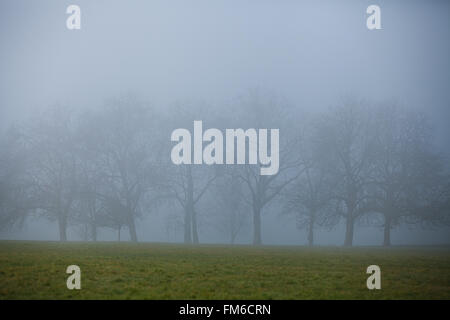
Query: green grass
{"type": "Point", "coordinates": [36, 270]}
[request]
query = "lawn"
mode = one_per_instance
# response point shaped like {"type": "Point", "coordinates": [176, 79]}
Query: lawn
{"type": "Point", "coordinates": [36, 270]}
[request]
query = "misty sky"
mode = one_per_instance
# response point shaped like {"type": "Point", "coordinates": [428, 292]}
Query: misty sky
{"type": "Point", "coordinates": [311, 52]}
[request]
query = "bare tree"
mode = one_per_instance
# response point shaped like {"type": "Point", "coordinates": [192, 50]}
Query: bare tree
{"type": "Point", "coordinates": [229, 204]}
{"type": "Point", "coordinates": [89, 205]}
{"type": "Point", "coordinates": [310, 197]}
{"type": "Point", "coordinates": [16, 200]}
{"type": "Point", "coordinates": [128, 151]}
{"type": "Point", "coordinates": [53, 175]}
{"type": "Point", "coordinates": [267, 110]}
{"type": "Point", "coordinates": [188, 184]}
{"type": "Point", "coordinates": [188, 190]}
{"type": "Point", "coordinates": [409, 179]}
{"type": "Point", "coordinates": [114, 216]}
{"type": "Point", "coordinates": [346, 135]}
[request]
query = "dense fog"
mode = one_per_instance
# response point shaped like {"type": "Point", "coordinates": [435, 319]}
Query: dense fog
{"type": "Point", "coordinates": [86, 118]}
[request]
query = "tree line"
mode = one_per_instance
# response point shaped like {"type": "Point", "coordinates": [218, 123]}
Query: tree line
{"type": "Point", "coordinates": [357, 162]}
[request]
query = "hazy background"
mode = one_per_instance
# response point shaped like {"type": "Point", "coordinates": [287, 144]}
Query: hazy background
{"type": "Point", "coordinates": [310, 52]}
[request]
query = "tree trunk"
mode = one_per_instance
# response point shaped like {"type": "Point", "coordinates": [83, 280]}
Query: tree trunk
{"type": "Point", "coordinates": [387, 231]}
{"type": "Point", "coordinates": [187, 226]}
{"type": "Point", "coordinates": [349, 231]}
{"type": "Point", "coordinates": [94, 232]}
{"type": "Point", "coordinates": [194, 228]}
{"type": "Point", "coordinates": [132, 229]}
{"type": "Point", "coordinates": [189, 209]}
{"type": "Point", "coordinates": [311, 232]}
{"type": "Point", "coordinates": [257, 226]}
{"type": "Point", "coordinates": [233, 237]}
{"type": "Point", "coordinates": [62, 223]}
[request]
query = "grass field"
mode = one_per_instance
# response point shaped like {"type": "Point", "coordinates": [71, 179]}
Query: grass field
{"type": "Point", "coordinates": [36, 270]}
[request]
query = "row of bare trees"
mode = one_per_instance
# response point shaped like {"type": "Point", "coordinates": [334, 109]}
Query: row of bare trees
{"type": "Point", "coordinates": [106, 168]}
{"type": "Point", "coordinates": [370, 163]}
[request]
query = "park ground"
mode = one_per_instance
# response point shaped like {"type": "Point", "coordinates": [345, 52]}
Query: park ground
{"type": "Point", "coordinates": [113, 270]}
